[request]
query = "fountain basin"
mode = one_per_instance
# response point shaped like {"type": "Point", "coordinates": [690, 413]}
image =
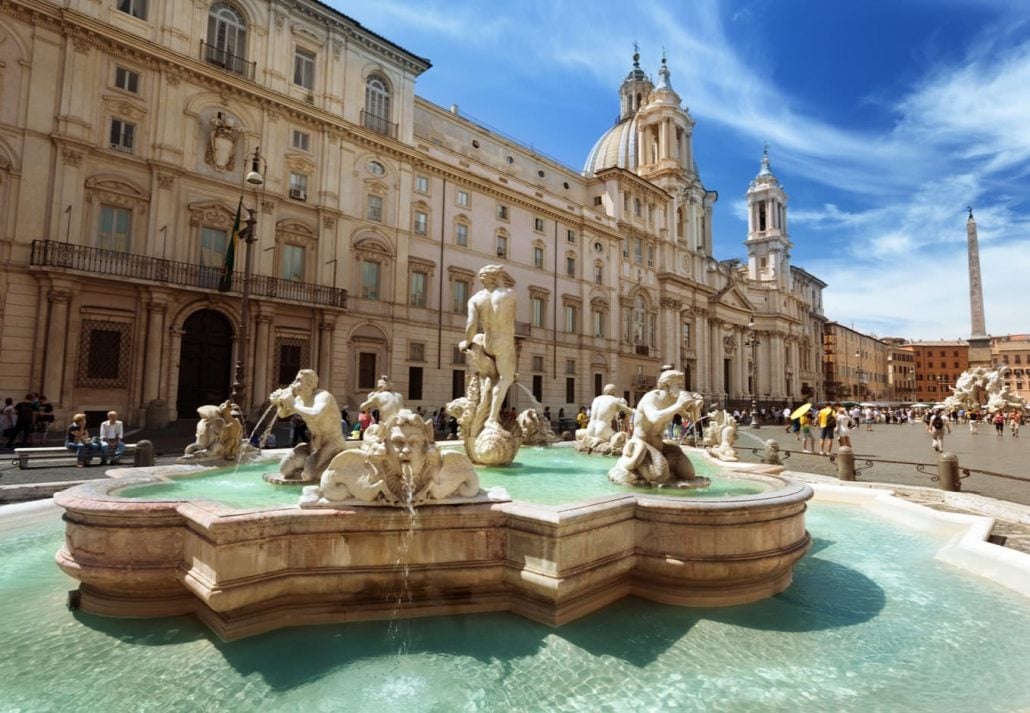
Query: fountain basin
{"type": "Point", "coordinates": [247, 571]}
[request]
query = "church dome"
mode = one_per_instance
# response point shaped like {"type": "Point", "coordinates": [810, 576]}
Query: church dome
{"type": "Point", "coordinates": [617, 148]}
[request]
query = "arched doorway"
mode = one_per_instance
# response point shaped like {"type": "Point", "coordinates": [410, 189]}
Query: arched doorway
{"type": "Point", "coordinates": [205, 361]}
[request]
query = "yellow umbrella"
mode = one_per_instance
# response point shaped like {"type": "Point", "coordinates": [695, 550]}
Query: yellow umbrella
{"type": "Point", "coordinates": [800, 411]}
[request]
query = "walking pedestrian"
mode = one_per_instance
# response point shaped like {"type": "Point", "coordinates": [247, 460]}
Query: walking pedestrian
{"type": "Point", "coordinates": [827, 421]}
{"type": "Point", "coordinates": [807, 439]}
{"type": "Point", "coordinates": [938, 423]}
{"type": "Point", "coordinates": [844, 426]}
{"type": "Point", "coordinates": [999, 424]}
{"type": "Point", "coordinates": [25, 414]}
{"type": "Point", "coordinates": [1015, 419]}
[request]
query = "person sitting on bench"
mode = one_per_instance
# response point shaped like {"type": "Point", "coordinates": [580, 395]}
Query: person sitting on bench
{"type": "Point", "coordinates": [77, 439]}
{"type": "Point", "coordinates": [112, 435]}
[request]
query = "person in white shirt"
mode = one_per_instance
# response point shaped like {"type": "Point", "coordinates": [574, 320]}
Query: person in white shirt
{"type": "Point", "coordinates": [112, 435]}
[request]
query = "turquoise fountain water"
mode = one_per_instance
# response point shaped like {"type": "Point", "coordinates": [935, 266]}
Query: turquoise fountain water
{"type": "Point", "coordinates": [548, 476]}
{"type": "Point", "coordinates": [871, 622]}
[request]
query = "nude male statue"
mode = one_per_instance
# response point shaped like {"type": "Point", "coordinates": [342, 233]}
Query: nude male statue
{"type": "Point", "coordinates": [493, 308]}
{"type": "Point", "coordinates": [321, 415]}
{"type": "Point", "coordinates": [385, 399]}
{"type": "Point", "coordinates": [602, 410]}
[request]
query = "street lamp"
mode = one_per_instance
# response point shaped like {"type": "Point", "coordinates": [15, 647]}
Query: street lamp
{"type": "Point", "coordinates": [255, 179]}
{"type": "Point", "coordinates": [752, 341]}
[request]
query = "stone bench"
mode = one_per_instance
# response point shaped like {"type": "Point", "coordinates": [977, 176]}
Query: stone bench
{"type": "Point", "coordinates": [22, 456]}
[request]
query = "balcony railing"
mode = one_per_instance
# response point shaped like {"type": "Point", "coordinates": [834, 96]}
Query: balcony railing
{"type": "Point", "coordinates": [110, 263]}
{"type": "Point", "coordinates": [378, 124]}
{"type": "Point", "coordinates": [226, 60]}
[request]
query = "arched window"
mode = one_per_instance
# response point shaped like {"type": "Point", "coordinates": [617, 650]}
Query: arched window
{"type": "Point", "coordinates": [377, 105]}
{"type": "Point", "coordinates": [227, 38]}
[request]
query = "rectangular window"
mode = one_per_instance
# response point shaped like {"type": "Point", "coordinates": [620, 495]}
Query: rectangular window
{"type": "Point", "coordinates": [457, 356]}
{"type": "Point", "coordinates": [538, 387]}
{"type": "Point", "coordinates": [502, 246]}
{"type": "Point", "coordinates": [463, 199]}
{"type": "Point", "coordinates": [304, 69]}
{"type": "Point", "coordinates": [650, 255]}
{"type": "Point", "coordinates": [293, 262]}
{"type": "Point", "coordinates": [414, 383]}
{"type": "Point", "coordinates": [571, 318]}
{"type": "Point", "coordinates": [570, 390]}
{"type": "Point", "coordinates": [460, 295]}
{"type": "Point", "coordinates": [638, 250]}
{"type": "Point", "coordinates": [538, 258]}
{"type": "Point", "coordinates": [366, 370]}
{"type": "Point", "coordinates": [537, 307]}
{"type": "Point", "coordinates": [126, 79]}
{"type": "Point", "coordinates": [123, 135]}
{"type": "Point", "coordinates": [417, 289]}
{"type": "Point", "coordinates": [291, 359]}
{"type": "Point", "coordinates": [103, 344]}
{"type": "Point", "coordinates": [570, 366]}
{"type": "Point", "coordinates": [538, 362]}
{"type": "Point", "coordinates": [298, 186]}
{"type": "Point", "coordinates": [457, 383]}
{"type": "Point", "coordinates": [570, 236]}
{"type": "Point", "coordinates": [301, 140]}
{"type": "Point", "coordinates": [538, 225]}
{"type": "Point", "coordinates": [116, 230]}
{"type": "Point", "coordinates": [598, 201]}
{"type": "Point", "coordinates": [370, 280]}
{"type": "Point", "coordinates": [461, 235]}
{"type": "Point", "coordinates": [416, 351]}
{"type": "Point", "coordinates": [421, 223]}
{"type": "Point", "coordinates": [686, 336]}
{"type": "Point", "coordinates": [212, 255]}
{"type": "Point", "coordinates": [136, 8]}
{"type": "Point", "coordinates": [570, 266]}
{"type": "Point", "coordinates": [422, 184]}
{"type": "Point", "coordinates": [375, 208]}
{"type": "Point", "coordinates": [598, 324]}
{"type": "Point", "coordinates": [502, 212]}
{"type": "Point", "coordinates": [598, 274]}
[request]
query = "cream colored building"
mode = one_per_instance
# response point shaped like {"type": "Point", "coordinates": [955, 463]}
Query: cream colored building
{"type": "Point", "coordinates": [127, 128]}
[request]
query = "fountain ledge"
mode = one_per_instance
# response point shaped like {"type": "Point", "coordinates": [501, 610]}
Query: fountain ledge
{"type": "Point", "coordinates": [247, 571]}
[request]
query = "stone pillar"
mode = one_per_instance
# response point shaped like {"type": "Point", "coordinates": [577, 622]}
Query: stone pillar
{"type": "Point", "coordinates": [326, 330]}
{"type": "Point", "coordinates": [261, 351]}
{"type": "Point", "coordinates": [154, 351]}
{"type": "Point", "coordinates": [845, 464]}
{"type": "Point", "coordinates": [57, 344]}
{"type": "Point", "coordinates": [174, 351]}
{"type": "Point", "coordinates": [947, 472]}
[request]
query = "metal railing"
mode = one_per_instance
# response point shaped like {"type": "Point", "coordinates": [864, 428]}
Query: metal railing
{"type": "Point", "coordinates": [227, 60]}
{"type": "Point", "coordinates": [111, 263]}
{"type": "Point", "coordinates": [378, 124]}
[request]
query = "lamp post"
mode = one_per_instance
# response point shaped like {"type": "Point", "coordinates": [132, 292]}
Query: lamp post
{"type": "Point", "coordinates": [752, 341]}
{"type": "Point", "coordinates": [254, 178]}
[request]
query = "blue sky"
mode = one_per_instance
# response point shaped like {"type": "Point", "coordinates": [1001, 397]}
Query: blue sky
{"type": "Point", "coordinates": [885, 120]}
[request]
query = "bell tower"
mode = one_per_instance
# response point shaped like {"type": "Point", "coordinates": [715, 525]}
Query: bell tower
{"type": "Point", "coordinates": [768, 243]}
{"type": "Point", "coordinates": [635, 89]}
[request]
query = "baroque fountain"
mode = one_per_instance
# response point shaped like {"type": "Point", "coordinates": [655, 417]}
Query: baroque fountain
{"type": "Point", "coordinates": [400, 499]}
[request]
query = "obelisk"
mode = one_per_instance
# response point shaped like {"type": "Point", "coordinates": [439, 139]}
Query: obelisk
{"type": "Point", "coordinates": [979, 342]}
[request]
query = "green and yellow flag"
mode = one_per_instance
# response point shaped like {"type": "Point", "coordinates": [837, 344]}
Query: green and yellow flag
{"type": "Point", "coordinates": [225, 281]}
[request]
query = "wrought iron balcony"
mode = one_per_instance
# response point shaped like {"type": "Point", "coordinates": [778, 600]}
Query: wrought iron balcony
{"type": "Point", "coordinates": [110, 263]}
{"type": "Point", "coordinates": [378, 124]}
{"type": "Point", "coordinates": [226, 60]}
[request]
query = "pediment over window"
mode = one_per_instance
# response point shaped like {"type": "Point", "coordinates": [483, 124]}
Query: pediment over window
{"type": "Point", "coordinates": [212, 214]}
{"type": "Point", "coordinates": [294, 227]}
{"type": "Point", "coordinates": [115, 190]}
{"type": "Point", "coordinates": [373, 245]}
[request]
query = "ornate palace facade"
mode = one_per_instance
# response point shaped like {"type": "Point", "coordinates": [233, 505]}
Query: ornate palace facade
{"type": "Point", "coordinates": [127, 128]}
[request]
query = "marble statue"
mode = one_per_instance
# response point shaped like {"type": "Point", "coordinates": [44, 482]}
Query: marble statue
{"type": "Point", "coordinates": [726, 428]}
{"type": "Point", "coordinates": [491, 358]}
{"type": "Point", "coordinates": [713, 428]}
{"type": "Point", "coordinates": [403, 468]}
{"type": "Point", "coordinates": [317, 407]}
{"type": "Point", "coordinates": [647, 459]}
{"type": "Point", "coordinates": [599, 436]}
{"type": "Point", "coordinates": [535, 431]}
{"type": "Point", "coordinates": [980, 388]}
{"type": "Point", "coordinates": [771, 454]}
{"type": "Point", "coordinates": [388, 402]}
{"type": "Point", "coordinates": [219, 435]}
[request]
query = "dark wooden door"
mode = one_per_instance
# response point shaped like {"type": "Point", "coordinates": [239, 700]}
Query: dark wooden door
{"type": "Point", "coordinates": [205, 362]}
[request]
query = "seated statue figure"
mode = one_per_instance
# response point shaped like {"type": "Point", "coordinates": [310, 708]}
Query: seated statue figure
{"type": "Point", "coordinates": [219, 434]}
{"type": "Point", "coordinates": [599, 436]}
{"type": "Point", "coordinates": [535, 431]}
{"type": "Point", "coordinates": [727, 439]}
{"type": "Point", "coordinates": [383, 399]}
{"type": "Point", "coordinates": [317, 407]}
{"type": "Point", "coordinates": [647, 459]}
